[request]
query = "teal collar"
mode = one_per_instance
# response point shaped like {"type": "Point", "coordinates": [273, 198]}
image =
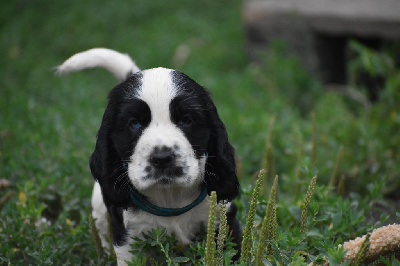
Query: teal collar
{"type": "Point", "coordinates": [146, 206]}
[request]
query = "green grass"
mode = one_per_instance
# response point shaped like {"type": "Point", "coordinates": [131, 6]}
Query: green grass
{"type": "Point", "coordinates": [48, 123]}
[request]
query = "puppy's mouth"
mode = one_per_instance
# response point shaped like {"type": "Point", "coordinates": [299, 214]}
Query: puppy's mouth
{"type": "Point", "coordinates": [165, 181]}
{"type": "Point", "coordinates": [170, 172]}
{"type": "Point", "coordinates": [164, 176]}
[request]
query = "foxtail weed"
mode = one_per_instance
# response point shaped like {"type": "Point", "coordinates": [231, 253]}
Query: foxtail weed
{"type": "Point", "coordinates": [222, 231]}
{"type": "Point", "coordinates": [210, 242]}
{"type": "Point", "coordinates": [310, 193]}
{"type": "Point", "coordinates": [247, 234]}
{"type": "Point", "coordinates": [269, 225]}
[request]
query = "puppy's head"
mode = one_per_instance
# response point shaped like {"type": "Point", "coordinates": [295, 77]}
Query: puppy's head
{"type": "Point", "coordinates": [161, 129]}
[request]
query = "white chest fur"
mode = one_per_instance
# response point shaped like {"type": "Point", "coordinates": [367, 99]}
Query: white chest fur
{"type": "Point", "coordinates": [184, 227]}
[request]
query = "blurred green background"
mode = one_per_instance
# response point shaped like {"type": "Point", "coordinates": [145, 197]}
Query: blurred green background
{"type": "Point", "coordinates": [48, 123]}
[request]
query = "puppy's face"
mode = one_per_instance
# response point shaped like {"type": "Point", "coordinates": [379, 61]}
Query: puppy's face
{"type": "Point", "coordinates": [161, 129]}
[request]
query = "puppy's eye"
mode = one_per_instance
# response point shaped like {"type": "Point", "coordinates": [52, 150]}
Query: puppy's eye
{"type": "Point", "coordinates": [135, 124]}
{"type": "Point", "coordinates": [185, 121]}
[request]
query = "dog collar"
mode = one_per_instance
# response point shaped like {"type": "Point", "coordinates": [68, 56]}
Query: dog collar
{"type": "Point", "coordinates": [146, 206]}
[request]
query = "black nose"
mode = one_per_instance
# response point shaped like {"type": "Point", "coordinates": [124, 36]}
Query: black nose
{"type": "Point", "coordinates": [162, 158]}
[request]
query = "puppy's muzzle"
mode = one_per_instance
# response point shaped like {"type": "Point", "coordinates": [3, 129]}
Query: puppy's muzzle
{"type": "Point", "coordinates": [164, 164]}
{"type": "Point", "coordinates": [162, 158]}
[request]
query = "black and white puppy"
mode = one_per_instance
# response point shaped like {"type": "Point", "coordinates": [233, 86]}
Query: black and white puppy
{"type": "Point", "coordinates": [161, 149]}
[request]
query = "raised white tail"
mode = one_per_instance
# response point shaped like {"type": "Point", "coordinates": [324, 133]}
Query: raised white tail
{"type": "Point", "coordinates": [121, 65]}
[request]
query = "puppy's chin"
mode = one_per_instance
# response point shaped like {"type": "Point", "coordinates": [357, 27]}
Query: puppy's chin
{"type": "Point", "coordinates": [165, 182]}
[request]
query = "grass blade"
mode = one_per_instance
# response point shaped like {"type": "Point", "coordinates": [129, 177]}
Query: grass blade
{"type": "Point", "coordinates": [334, 182]}
{"type": "Point", "coordinates": [268, 162]}
{"type": "Point", "coordinates": [314, 139]}
{"type": "Point", "coordinates": [109, 235]}
{"type": "Point", "coordinates": [362, 252]}
{"type": "Point", "coordinates": [95, 234]}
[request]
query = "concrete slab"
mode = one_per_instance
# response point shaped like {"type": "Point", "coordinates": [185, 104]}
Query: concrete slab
{"type": "Point", "coordinates": [360, 17]}
{"type": "Point", "coordinates": [317, 30]}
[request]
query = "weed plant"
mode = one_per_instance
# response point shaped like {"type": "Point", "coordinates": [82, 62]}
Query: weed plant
{"type": "Point", "coordinates": [278, 116]}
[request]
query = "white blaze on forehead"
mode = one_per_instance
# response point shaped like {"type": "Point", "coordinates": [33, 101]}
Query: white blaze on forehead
{"type": "Point", "coordinates": [157, 91]}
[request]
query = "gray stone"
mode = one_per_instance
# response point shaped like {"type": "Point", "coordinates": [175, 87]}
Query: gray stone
{"type": "Point", "coordinates": [317, 30]}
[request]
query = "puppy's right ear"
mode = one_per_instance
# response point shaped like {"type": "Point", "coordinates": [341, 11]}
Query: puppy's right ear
{"type": "Point", "coordinates": [99, 160]}
{"type": "Point", "coordinates": [105, 164]}
{"type": "Point", "coordinates": [96, 165]}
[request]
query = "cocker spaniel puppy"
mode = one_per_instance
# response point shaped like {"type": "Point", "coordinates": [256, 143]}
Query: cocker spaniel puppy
{"type": "Point", "coordinates": [161, 149]}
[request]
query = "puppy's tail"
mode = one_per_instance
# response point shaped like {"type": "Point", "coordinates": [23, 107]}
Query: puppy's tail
{"type": "Point", "coordinates": [121, 65]}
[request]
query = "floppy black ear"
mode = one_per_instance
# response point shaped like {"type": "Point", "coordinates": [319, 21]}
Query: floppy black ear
{"type": "Point", "coordinates": [105, 163]}
{"type": "Point", "coordinates": [221, 166]}
{"type": "Point", "coordinates": [220, 175]}
{"type": "Point", "coordinates": [95, 163]}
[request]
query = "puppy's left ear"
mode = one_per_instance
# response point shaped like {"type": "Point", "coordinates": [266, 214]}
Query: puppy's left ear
{"type": "Point", "coordinates": [220, 173]}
